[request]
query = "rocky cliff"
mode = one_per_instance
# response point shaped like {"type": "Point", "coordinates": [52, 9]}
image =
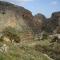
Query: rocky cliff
{"type": "Point", "coordinates": [14, 16]}
{"type": "Point", "coordinates": [54, 22]}
{"type": "Point", "coordinates": [22, 19]}
{"type": "Point", "coordinates": [39, 23]}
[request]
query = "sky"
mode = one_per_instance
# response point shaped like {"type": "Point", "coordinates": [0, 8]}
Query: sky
{"type": "Point", "coordinates": [45, 7]}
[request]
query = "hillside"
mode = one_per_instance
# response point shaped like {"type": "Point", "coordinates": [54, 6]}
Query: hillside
{"type": "Point", "coordinates": [27, 37]}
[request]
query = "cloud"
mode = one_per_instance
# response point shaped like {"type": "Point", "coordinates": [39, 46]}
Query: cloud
{"type": "Point", "coordinates": [54, 3]}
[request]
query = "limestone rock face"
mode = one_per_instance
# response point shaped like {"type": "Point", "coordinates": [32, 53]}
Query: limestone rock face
{"type": "Point", "coordinates": [56, 17]}
{"type": "Point", "coordinates": [14, 16]}
{"type": "Point", "coordinates": [54, 22]}
{"type": "Point", "coordinates": [39, 23]}
{"type": "Point", "coordinates": [22, 19]}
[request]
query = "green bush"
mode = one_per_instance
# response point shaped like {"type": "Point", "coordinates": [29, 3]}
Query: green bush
{"type": "Point", "coordinates": [11, 33]}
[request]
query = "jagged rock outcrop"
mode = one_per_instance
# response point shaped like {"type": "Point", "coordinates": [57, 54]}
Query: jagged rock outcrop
{"type": "Point", "coordinates": [56, 16]}
{"type": "Point", "coordinates": [39, 23]}
{"type": "Point", "coordinates": [16, 17]}
{"type": "Point", "coordinates": [22, 19]}
{"type": "Point", "coordinates": [53, 24]}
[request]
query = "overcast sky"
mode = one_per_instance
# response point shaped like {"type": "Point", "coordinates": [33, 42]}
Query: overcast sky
{"type": "Point", "coordinates": [45, 7]}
